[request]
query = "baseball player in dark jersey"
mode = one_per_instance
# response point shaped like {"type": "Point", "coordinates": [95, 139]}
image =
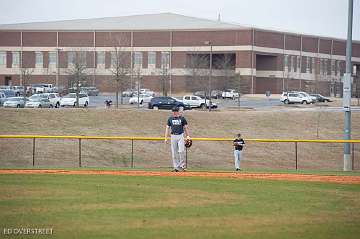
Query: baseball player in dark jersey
{"type": "Point", "coordinates": [239, 145]}
{"type": "Point", "coordinates": [178, 126]}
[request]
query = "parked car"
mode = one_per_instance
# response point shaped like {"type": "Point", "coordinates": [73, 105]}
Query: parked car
{"type": "Point", "coordinates": [143, 98]}
{"type": "Point", "coordinates": [165, 102]}
{"type": "Point", "coordinates": [90, 90]}
{"type": "Point", "coordinates": [18, 90]}
{"type": "Point", "coordinates": [8, 93]}
{"type": "Point", "coordinates": [128, 93]}
{"type": "Point", "coordinates": [38, 102]}
{"type": "Point", "coordinates": [57, 89]}
{"type": "Point", "coordinates": [197, 102]}
{"type": "Point", "coordinates": [15, 102]}
{"type": "Point", "coordinates": [216, 94]}
{"type": "Point", "coordinates": [5, 87]}
{"type": "Point", "coordinates": [295, 97]}
{"type": "Point", "coordinates": [230, 94]}
{"type": "Point", "coordinates": [54, 98]}
{"type": "Point", "coordinates": [2, 98]}
{"type": "Point", "coordinates": [201, 94]}
{"type": "Point", "coordinates": [147, 91]}
{"type": "Point", "coordinates": [320, 98]}
{"type": "Point", "coordinates": [40, 88]}
{"type": "Point", "coordinates": [70, 100]}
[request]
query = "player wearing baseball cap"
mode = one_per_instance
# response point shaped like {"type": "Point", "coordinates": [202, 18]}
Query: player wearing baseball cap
{"type": "Point", "coordinates": [239, 145]}
{"type": "Point", "coordinates": [178, 126]}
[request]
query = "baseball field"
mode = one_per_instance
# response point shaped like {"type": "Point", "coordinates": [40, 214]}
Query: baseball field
{"type": "Point", "coordinates": [106, 199]}
{"type": "Point", "coordinates": [173, 206]}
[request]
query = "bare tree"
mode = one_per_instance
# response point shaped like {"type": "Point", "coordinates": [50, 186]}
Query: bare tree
{"type": "Point", "coordinates": [77, 74]}
{"type": "Point", "coordinates": [26, 77]}
{"type": "Point", "coordinates": [120, 66]}
{"type": "Point", "coordinates": [236, 84]}
{"type": "Point", "coordinates": [165, 65]}
{"type": "Point", "coordinates": [199, 64]}
{"type": "Point", "coordinates": [138, 77]}
{"type": "Point", "coordinates": [227, 65]}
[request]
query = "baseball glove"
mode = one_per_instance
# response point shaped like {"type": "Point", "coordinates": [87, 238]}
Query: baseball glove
{"type": "Point", "coordinates": [188, 143]}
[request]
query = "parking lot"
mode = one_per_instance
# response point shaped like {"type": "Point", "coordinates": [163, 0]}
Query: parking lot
{"type": "Point", "coordinates": [99, 101]}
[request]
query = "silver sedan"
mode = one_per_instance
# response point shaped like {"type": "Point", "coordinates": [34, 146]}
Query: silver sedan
{"type": "Point", "coordinates": [38, 102]}
{"type": "Point", "coordinates": [15, 102]}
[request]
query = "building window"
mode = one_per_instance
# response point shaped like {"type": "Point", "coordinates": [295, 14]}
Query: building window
{"type": "Point", "coordinates": [308, 64]}
{"type": "Point", "coordinates": [321, 67]}
{"type": "Point", "coordinates": [2, 58]}
{"type": "Point", "coordinates": [70, 57]}
{"type": "Point", "coordinates": [152, 58]}
{"type": "Point", "coordinates": [298, 64]}
{"type": "Point", "coordinates": [286, 59]}
{"type": "Point", "coordinates": [101, 58]}
{"type": "Point", "coordinates": [39, 59]}
{"type": "Point", "coordinates": [77, 58]}
{"type": "Point", "coordinates": [165, 59]}
{"type": "Point", "coordinates": [138, 59]}
{"type": "Point", "coordinates": [332, 67]}
{"type": "Point", "coordinates": [52, 58]}
{"type": "Point", "coordinates": [291, 63]}
{"type": "Point", "coordinates": [313, 64]}
{"type": "Point", "coordinates": [15, 59]}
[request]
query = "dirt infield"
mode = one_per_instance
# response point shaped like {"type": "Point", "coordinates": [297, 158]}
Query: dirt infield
{"type": "Point", "coordinates": [241, 175]}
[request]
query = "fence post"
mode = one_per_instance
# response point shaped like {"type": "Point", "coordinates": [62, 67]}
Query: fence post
{"type": "Point", "coordinates": [186, 157]}
{"type": "Point", "coordinates": [132, 153]}
{"type": "Point", "coordinates": [80, 152]}
{"type": "Point", "coordinates": [33, 153]}
{"type": "Point", "coordinates": [353, 155]}
{"type": "Point", "coordinates": [296, 156]}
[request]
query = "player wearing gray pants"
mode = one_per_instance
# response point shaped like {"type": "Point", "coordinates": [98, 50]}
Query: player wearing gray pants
{"type": "Point", "coordinates": [177, 151]}
{"type": "Point", "coordinates": [178, 126]}
{"type": "Point", "coordinates": [239, 144]}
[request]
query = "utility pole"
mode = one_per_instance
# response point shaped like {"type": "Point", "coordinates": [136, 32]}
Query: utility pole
{"type": "Point", "coordinates": [57, 67]}
{"type": "Point", "coordinates": [347, 91]}
{"type": "Point", "coordinates": [210, 74]}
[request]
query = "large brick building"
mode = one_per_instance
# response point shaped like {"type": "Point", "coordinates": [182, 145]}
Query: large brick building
{"type": "Point", "coordinates": [265, 59]}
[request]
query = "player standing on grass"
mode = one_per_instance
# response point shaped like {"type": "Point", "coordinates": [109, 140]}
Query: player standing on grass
{"type": "Point", "coordinates": [178, 126]}
{"type": "Point", "coordinates": [239, 144]}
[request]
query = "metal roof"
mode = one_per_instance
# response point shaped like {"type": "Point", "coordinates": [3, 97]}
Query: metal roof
{"type": "Point", "coordinates": [162, 21]}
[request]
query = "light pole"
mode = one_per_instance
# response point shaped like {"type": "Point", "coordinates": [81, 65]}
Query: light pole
{"type": "Point", "coordinates": [347, 91]}
{"type": "Point", "coordinates": [210, 74]}
{"type": "Point", "coordinates": [57, 67]}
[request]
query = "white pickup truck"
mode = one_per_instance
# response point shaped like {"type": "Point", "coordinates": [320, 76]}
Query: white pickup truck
{"type": "Point", "coordinates": [230, 94]}
{"type": "Point", "coordinates": [197, 102]}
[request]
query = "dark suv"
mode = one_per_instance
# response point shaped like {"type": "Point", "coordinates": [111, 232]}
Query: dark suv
{"type": "Point", "coordinates": [167, 103]}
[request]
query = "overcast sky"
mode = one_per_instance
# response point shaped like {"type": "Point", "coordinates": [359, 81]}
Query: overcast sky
{"type": "Point", "coordinates": [316, 17]}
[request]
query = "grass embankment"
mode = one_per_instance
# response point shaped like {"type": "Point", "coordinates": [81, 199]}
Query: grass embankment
{"type": "Point", "coordinates": [133, 122]}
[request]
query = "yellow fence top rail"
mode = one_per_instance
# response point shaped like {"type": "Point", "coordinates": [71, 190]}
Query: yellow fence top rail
{"type": "Point", "coordinates": [162, 138]}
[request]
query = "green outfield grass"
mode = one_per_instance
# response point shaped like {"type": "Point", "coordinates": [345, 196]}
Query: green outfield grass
{"type": "Point", "coordinates": [105, 206]}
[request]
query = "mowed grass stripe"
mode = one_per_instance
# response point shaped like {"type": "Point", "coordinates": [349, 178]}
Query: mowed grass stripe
{"type": "Point", "coordinates": [98, 206]}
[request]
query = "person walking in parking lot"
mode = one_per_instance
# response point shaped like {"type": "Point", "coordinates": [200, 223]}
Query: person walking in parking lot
{"type": "Point", "coordinates": [239, 145]}
{"type": "Point", "coordinates": [178, 126]}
